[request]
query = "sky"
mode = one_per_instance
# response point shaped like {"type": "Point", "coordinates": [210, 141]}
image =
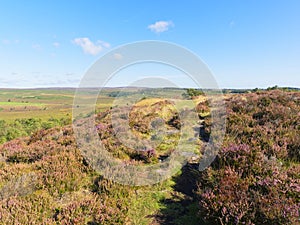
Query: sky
{"type": "Point", "coordinates": [245, 44]}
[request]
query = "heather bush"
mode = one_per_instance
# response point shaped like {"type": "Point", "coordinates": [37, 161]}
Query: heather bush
{"type": "Point", "coordinates": [89, 209]}
{"type": "Point", "coordinates": [45, 180]}
{"type": "Point", "coordinates": [34, 209]}
{"type": "Point", "coordinates": [255, 177]}
{"type": "Point", "coordinates": [241, 185]}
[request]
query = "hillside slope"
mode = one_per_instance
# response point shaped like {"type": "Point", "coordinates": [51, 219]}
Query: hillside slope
{"type": "Point", "coordinates": [45, 180]}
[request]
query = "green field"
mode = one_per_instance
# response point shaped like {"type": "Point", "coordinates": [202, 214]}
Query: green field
{"type": "Point", "coordinates": [41, 103]}
{"type": "Point", "coordinates": [20, 104]}
{"type": "Point", "coordinates": [58, 103]}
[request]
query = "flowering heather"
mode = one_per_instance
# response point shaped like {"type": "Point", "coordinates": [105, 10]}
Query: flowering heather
{"type": "Point", "coordinates": [255, 178]}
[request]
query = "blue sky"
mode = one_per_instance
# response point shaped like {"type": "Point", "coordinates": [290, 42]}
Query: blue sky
{"type": "Point", "coordinates": [246, 44]}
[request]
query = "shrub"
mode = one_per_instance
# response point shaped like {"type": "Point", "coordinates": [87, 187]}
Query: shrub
{"type": "Point", "coordinates": [253, 179]}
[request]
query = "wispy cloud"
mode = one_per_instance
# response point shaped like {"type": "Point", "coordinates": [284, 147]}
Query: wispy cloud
{"type": "Point", "coordinates": [56, 44]}
{"type": "Point", "coordinates": [6, 42]}
{"type": "Point", "coordinates": [36, 47]}
{"type": "Point", "coordinates": [89, 47]}
{"type": "Point", "coordinates": [103, 43]}
{"type": "Point", "coordinates": [12, 79]}
{"type": "Point", "coordinates": [160, 26]}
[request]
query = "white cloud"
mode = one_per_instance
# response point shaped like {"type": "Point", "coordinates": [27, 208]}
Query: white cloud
{"type": "Point", "coordinates": [89, 47]}
{"type": "Point", "coordinates": [160, 26]}
{"type": "Point", "coordinates": [103, 43]}
{"type": "Point", "coordinates": [56, 44]}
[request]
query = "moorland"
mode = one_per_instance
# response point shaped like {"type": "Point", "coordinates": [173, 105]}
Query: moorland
{"type": "Point", "coordinates": [254, 179]}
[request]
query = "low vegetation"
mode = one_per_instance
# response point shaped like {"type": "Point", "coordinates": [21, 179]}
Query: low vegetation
{"type": "Point", "coordinates": [10, 130]}
{"type": "Point", "coordinates": [254, 179]}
